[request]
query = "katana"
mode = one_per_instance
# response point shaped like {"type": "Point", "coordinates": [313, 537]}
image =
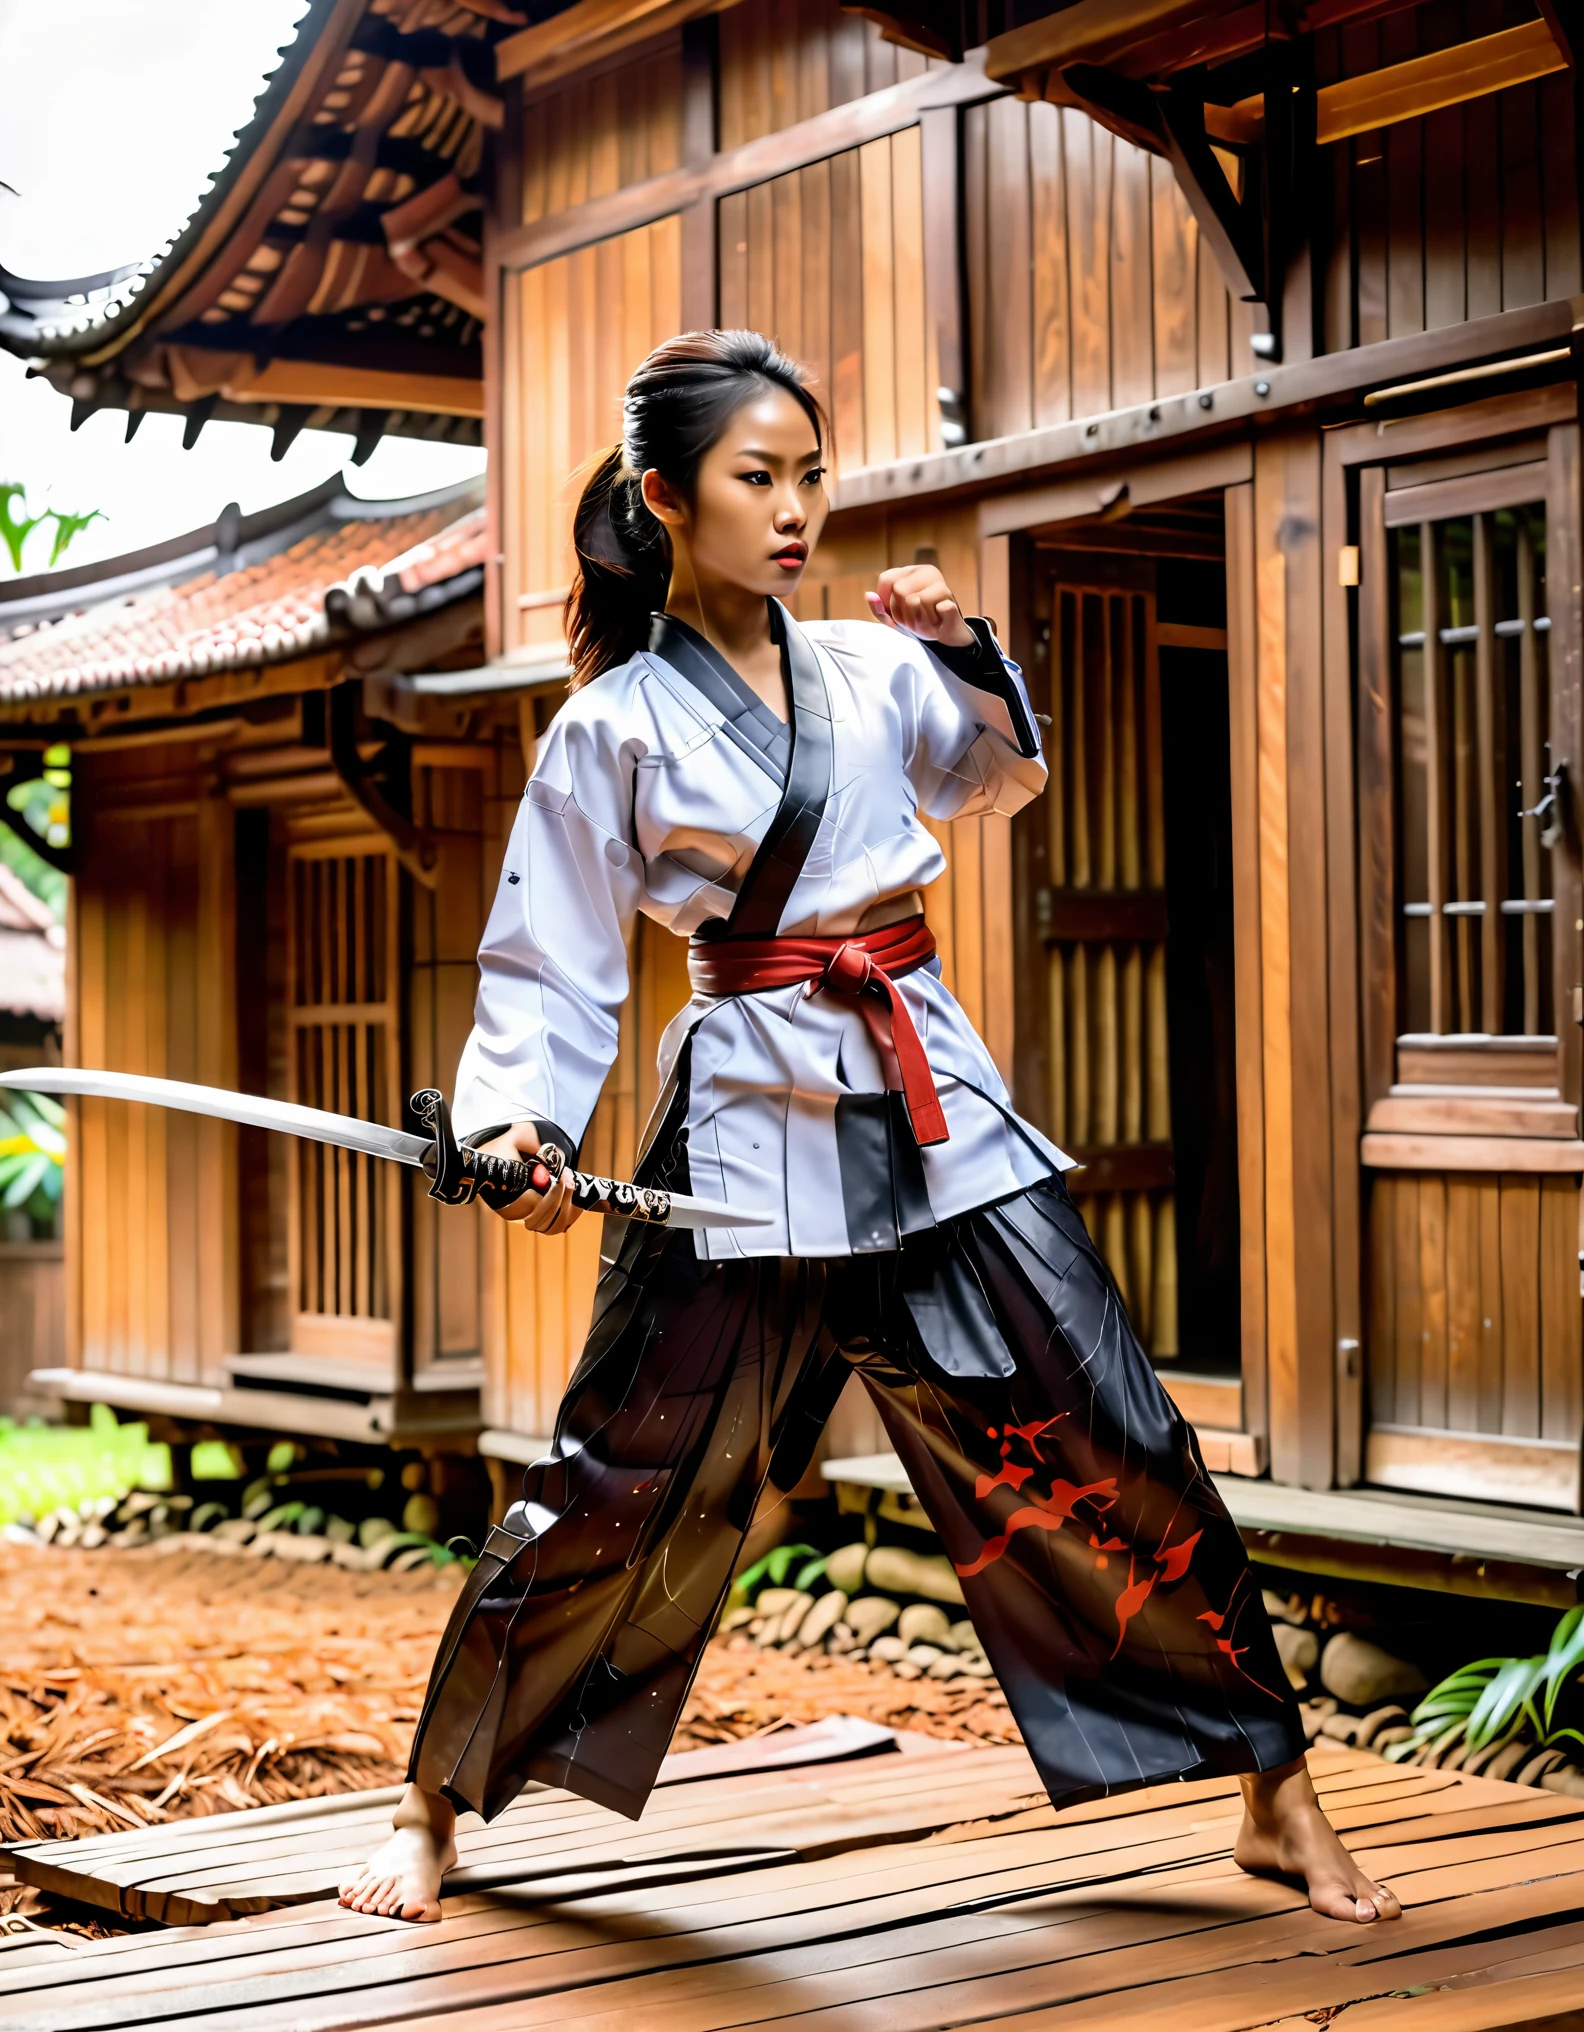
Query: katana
{"type": "Point", "coordinates": [457, 1174]}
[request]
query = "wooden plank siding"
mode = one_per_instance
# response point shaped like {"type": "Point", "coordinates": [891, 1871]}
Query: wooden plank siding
{"type": "Point", "coordinates": [1470, 210]}
{"type": "Point", "coordinates": [151, 1238]}
{"type": "Point", "coordinates": [1088, 285]}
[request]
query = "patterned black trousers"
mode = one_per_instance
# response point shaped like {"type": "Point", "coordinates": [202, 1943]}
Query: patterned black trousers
{"type": "Point", "coordinates": [1101, 1570]}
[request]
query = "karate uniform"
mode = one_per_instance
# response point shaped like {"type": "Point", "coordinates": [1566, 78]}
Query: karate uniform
{"type": "Point", "coordinates": [955, 1277]}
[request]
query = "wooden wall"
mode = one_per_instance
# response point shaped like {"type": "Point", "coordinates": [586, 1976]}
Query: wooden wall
{"type": "Point", "coordinates": [1088, 286]}
{"type": "Point", "coordinates": [1469, 211]}
{"type": "Point", "coordinates": [1474, 1317]}
{"type": "Point", "coordinates": [830, 261]}
{"type": "Point", "coordinates": [151, 1231]}
{"type": "Point", "coordinates": [786, 61]}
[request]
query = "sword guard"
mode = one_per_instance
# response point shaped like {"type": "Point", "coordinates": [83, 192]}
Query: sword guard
{"type": "Point", "coordinates": [459, 1174]}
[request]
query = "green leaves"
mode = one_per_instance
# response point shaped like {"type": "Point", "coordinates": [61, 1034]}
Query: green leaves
{"type": "Point", "coordinates": [773, 1570]}
{"type": "Point", "coordinates": [17, 525]}
{"type": "Point", "coordinates": [1502, 1699]}
{"type": "Point", "coordinates": [32, 1155]}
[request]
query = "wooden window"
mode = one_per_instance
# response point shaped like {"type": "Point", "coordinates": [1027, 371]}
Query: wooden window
{"type": "Point", "coordinates": [345, 1265]}
{"type": "Point", "coordinates": [1473, 753]}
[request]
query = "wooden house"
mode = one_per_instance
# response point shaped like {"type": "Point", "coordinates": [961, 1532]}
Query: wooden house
{"type": "Point", "coordinates": [1226, 356]}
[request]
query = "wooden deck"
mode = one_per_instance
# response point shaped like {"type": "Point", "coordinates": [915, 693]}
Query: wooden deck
{"type": "Point", "coordinates": [892, 1893]}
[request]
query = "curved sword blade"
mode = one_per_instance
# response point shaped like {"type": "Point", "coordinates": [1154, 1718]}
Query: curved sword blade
{"type": "Point", "coordinates": [318, 1125]}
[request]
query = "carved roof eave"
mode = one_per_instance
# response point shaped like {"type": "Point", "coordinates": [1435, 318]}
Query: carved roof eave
{"type": "Point", "coordinates": [320, 44]}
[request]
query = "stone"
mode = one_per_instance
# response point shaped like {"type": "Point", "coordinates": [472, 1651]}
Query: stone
{"type": "Point", "coordinates": [899, 1572]}
{"type": "Point", "coordinates": [372, 1529]}
{"type": "Point", "coordinates": [734, 1619]}
{"type": "Point", "coordinates": [341, 1531]}
{"type": "Point", "coordinates": [974, 1665]}
{"type": "Point", "coordinates": [947, 1666]}
{"type": "Point", "coordinates": [238, 1530]}
{"type": "Point", "coordinates": [822, 1618]}
{"type": "Point", "coordinates": [1340, 1728]}
{"type": "Point", "coordinates": [1282, 1608]}
{"type": "Point", "coordinates": [924, 1623]}
{"type": "Point", "coordinates": [904, 1668]}
{"type": "Point", "coordinates": [792, 1615]}
{"type": "Point", "coordinates": [775, 1601]}
{"type": "Point", "coordinates": [964, 1637]}
{"type": "Point", "coordinates": [1372, 1724]}
{"type": "Point", "coordinates": [888, 1649]}
{"type": "Point", "coordinates": [925, 1655]}
{"type": "Point", "coordinates": [308, 1548]}
{"type": "Point", "coordinates": [1538, 1765]}
{"type": "Point", "coordinates": [1363, 1675]}
{"type": "Point", "coordinates": [1299, 1651]}
{"type": "Point", "coordinates": [1507, 1759]}
{"type": "Point", "coordinates": [842, 1639]}
{"type": "Point", "coordinates": [420, 1515]}
{"type": "Point", "coordinates": [409, 1561]}
{"type": "Point", "coordinates": [871, 1616]}
{"type": "Point", "coordinates": [844, 1568]}
{"type": "Point", "coordinates": [1569, 1779]}
{"type": "Point", "coordinates": [1399, 1732]}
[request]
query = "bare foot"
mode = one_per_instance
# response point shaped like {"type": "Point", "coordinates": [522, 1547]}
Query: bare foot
{"type": "Point", "coordinates": [401, 1880]}
{"type": "Point", "coordinates": [1285, 1834]}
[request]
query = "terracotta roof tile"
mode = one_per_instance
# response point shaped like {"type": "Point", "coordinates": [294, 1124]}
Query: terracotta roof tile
{"type": "Point", "coordinates": [284, 604]}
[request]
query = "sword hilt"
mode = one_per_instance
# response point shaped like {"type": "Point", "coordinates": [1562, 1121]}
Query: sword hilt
{"type": "Point", "coordinates": [459, 1174]}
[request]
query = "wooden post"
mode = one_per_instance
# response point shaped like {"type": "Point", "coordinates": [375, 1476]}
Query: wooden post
{"type": "Point", "coordinates": [944, 291]}
{"type": "Point", "coordinates": [700, 53]}
{"type": "Point", "coordinates": [1289, 726]}
{"type": "Point", "coordinates": [1347, 1114]}
{"type": "Point", "coordinates": [1242, 675]}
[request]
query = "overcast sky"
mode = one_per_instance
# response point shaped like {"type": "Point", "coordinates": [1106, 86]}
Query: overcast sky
{"type": "Point", "coordinates": [113, 116]}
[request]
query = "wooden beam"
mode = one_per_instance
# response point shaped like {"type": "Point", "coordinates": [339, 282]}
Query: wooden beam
{"type": "Point", "coordinates": [1408, 91]}
{"type": "Point", "coordinates": [314, 382]}
{"type": "Point", "coordinates": [1088, 444]}
{"type": "Point", "coordinates": [833, 133]}
{"type": "Point", "coordinates": [591, 31]}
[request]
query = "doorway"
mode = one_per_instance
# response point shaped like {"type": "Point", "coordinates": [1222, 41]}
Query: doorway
{"type": "Point", "coordinates": [1126, 1007]}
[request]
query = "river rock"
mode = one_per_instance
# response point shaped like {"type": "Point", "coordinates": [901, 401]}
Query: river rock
{"type": "Point", "coordinates": [1364, 1675]}
{"type": "Point", "coordinates": [844, 1568]}
{"type": "Point", "coordinates": [1299, 1651]}
{"type": "Point", "coordinates": [913, 1573]}
{"type": "Point", "coordinates": [923, 1623]}
{"type": "Point", "coordinates": [888, 1649]}
{"type": "Point", "coordinates": [822, 1618]}
{"type": "Point", "coordinates": [775, 1601]}
{"type": "Point", "coordinates": [793, 1614]}
{"type": "Point", "coordinates": [871, 1615]}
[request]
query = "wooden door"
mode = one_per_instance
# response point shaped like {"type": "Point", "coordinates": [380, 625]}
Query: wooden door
{"type": "Point", "coordinates": [1474, 1350]}
{"type": "Point", "coordinates": [345, 1258]}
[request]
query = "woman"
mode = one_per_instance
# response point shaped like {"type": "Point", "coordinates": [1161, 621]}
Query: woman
{"type": "Point", "coordinates": [756, 786]}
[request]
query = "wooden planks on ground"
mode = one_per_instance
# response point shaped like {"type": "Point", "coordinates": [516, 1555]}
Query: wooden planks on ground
{"type": "Point", "coordinates": [223, 1867]}
{"type": "Point", "coordinates": [1127, 1911]}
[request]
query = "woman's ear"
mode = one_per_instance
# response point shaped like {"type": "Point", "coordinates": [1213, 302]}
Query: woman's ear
{"type": "Point", "coordinates": [661, 499]}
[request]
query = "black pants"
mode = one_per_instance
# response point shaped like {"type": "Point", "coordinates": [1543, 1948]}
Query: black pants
{"type": "Point", "coordinates": [1101, 1570]}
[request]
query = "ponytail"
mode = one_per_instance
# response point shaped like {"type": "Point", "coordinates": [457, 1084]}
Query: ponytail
{"type": "Point", "coordinates": [623, 570]}
{"type": "Point", "coordinates": [677, 405]}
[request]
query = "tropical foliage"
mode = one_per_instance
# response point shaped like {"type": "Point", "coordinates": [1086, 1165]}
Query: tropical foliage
{"type": "Point", "coordinates": [1500, 1700]}
{"type": "Point", "coordinates": [44, 801]}
{"type": "Point", "coordinates": [32, 1156]}
{"type": "Point", "coordinates": [17, 525]}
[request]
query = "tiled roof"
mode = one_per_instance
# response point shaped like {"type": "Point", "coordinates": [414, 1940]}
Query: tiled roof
{"type": "Point", "coordinates": [32, 953]}
{"type": "Point", "coordinates": [249, 590]}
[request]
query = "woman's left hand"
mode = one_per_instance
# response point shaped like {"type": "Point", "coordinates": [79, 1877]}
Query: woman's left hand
{"type": "Point", "coordinates": [917, 597]}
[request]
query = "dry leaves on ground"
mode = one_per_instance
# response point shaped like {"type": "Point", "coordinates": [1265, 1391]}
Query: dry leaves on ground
{"type": "Point", "coordinates": [137, 1687]}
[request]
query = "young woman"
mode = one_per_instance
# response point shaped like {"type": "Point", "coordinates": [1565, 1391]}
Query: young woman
{"type": "Point", "coordinates": [756, 785]}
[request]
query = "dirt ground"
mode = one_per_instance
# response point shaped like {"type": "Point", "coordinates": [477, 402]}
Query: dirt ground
{"type": "Point", "coordinates": [139, 1687]}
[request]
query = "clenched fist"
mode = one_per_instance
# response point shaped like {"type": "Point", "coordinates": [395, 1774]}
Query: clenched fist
{"type": "Point", "coordinates": [917, 597]}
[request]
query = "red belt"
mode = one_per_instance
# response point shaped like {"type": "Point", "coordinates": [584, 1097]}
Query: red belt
{"type": "Point", "coordinates": [862, 969]}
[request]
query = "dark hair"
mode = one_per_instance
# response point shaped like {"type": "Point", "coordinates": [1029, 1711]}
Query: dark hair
{"type": "Point", "coordinates": [676, 406]}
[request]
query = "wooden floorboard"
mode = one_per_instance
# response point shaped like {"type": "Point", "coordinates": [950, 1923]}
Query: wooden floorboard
{"type": "Point", "coordinates": [918, 1894]}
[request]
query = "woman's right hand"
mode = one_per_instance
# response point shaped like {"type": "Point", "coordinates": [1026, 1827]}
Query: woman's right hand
{"type": "Point", "coordinates": [550, 1212]}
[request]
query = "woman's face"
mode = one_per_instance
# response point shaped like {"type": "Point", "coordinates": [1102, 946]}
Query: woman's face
{"type": "Point", "coordinates": [758, 504]}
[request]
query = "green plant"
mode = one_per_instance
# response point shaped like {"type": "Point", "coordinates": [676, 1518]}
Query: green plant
{"type": "Point", "coordinates": [43, 802]}
{"type": "Point", "coordinates": [17, 525]}
{"type": "Point", "coordinates": [32, 1156]}
{"type": "Point", "coordinates": [1502, 1699]}
{"type": "Point", "coordinates": [45, 1466]}
{"type": "Point", "coordinates": [773, 1568]}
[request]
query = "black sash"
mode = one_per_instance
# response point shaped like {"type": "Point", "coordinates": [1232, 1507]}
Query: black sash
{"type": "Point", "coordinates": [805, 778]}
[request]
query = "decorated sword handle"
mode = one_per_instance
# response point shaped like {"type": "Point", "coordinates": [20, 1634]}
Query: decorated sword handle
{"type": "Point", "coordinates": [459, 1174]}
